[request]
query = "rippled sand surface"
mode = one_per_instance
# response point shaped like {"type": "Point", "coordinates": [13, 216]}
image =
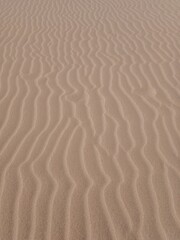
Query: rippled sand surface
{"type": "Point", "coordinates": [89, 120]}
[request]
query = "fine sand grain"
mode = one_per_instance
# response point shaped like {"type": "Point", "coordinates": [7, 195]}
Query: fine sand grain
{"type": "Point", "coordinates": [89, 120]}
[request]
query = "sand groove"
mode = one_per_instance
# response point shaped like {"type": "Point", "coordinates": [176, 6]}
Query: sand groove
{"type": "Point", "coordinates": [89, 120]}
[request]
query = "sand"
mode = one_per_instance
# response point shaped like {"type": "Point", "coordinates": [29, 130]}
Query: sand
{"type": "Point", "coordinates": [89, 120]}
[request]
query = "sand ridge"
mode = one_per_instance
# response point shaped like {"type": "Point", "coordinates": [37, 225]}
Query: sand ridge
{"type": "Point", "coordinates": [89, 120]}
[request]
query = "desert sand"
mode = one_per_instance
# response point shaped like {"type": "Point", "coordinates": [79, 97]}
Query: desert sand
{"type": "Point", "coordinates": [89, 120]}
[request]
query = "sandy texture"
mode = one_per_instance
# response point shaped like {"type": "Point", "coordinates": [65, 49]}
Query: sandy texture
{"type": "Point", "coordinates": [89, 120]}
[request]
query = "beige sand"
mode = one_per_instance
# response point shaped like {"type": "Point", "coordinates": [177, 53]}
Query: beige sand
{"type": "Point", "coordinates": [89, 120]}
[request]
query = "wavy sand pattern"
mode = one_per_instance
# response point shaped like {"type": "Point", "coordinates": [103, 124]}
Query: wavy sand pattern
{"type": "Point", "coordinates": [89, 120]}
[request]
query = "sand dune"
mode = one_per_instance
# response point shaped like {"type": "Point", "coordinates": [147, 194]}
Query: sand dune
{"type": "Point", "coordinates": [89, 120]}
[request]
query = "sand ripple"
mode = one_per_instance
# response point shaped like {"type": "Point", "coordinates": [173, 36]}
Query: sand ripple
{"type": "Point", "coordinates": [89, 120]}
